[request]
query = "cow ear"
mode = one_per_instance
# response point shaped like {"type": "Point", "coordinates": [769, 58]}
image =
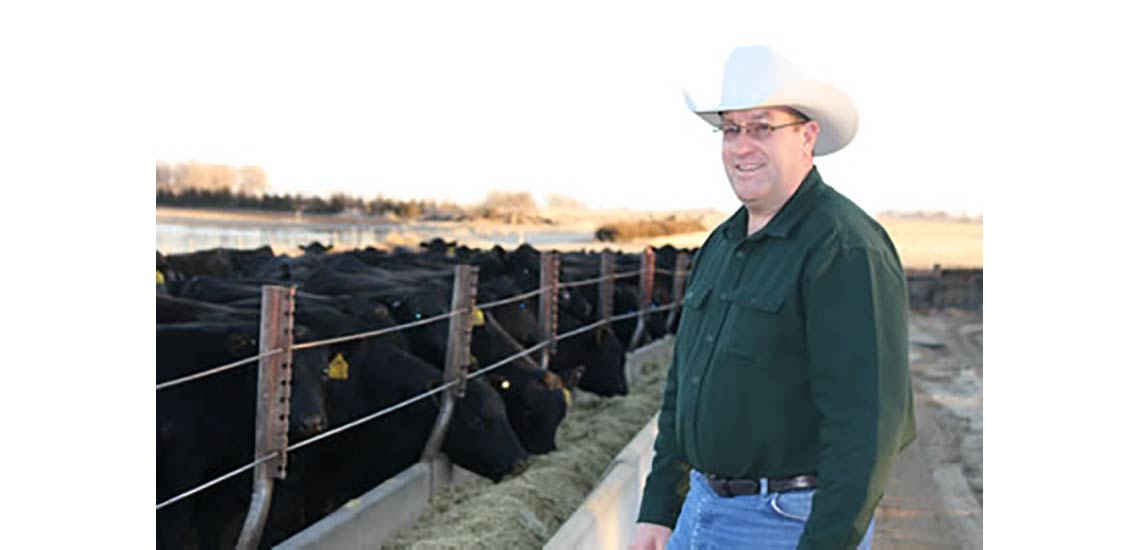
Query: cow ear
{"type": "Point", "coordinates": [239, 343]}
{"type": "Point", "coordinates": [300, 332]}
{"type": "Point", "coordinates": [551, 381]}
{"type": "Point", "coordinates": [570, 378]}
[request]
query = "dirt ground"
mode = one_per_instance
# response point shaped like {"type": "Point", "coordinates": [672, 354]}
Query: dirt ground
{"type": "Point", "coordinates": [934, 498]}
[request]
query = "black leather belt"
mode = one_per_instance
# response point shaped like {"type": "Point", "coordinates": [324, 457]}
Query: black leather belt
{"type": "Point", "coordinates": [741, 487]}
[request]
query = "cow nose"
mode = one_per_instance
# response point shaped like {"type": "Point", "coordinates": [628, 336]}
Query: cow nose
{"type": "Point", "coordinates": [520, 465]}
{"type": "Point", "coordinates": [312, 424]}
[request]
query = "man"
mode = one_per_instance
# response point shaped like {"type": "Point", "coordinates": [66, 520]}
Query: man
{"type": "Point", "coordinates": [789, 394]}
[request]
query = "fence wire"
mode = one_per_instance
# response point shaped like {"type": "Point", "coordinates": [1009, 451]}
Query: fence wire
{"type": "Point", "coordinates": [370, 334]}
{"type": "Point", "coordinates": [409, 401]}
{"type": "Point", "coordinates": [215, 481]}
{"type": "Point", "coordinates": [217, 370]}
{"type": "Point", "coordinates": [515, 298]}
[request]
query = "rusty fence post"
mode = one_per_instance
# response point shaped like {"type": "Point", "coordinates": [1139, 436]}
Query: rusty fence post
{"type": "Point", "coordinates": [606, 288]}
{"type": "Point", "coordinates": [458, 356]}
{"type": "Point", "coordinates": [272, 428]}
{"type": "Point", "coordinates": [548, 305]}
{"type": "Point", "coordinates": [645, 295]}
{"type": "Point", "coordinates": [680, 273]}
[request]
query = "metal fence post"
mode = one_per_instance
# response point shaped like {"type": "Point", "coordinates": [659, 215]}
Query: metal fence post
{"type": "Point", "coordinates": [645, 295]}
{"type": "Point", "coordinates": [936, 297]}
{"type": "Point", "coordinates": [458, 356]}
{"type": "Point", "coordinates": [272, 428]}
{"type": "Point", "coordinates": [548, 305]}
{"type": "Point", "coordinates": [680, 273]}
{"type": "Point", "coordinates": [606, 289]}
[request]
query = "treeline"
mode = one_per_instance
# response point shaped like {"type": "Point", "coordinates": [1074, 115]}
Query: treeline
{"type": "Point", "coordinates": [335, 204]}
{"type": "Point", "coordinates": [203, 185]}
{"type": "Point", "coordinates": [177, 177]}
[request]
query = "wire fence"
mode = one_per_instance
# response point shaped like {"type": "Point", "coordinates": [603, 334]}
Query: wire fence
{"type": "Point", "coordinates": [439, 389]}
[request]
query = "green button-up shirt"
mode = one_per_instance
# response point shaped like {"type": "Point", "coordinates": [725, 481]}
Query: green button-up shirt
{"type": "Point", "coordinates": [791, 358]}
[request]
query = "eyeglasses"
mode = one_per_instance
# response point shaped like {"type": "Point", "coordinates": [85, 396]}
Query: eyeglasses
{"type": "Point", "coordinates": [758, 130]}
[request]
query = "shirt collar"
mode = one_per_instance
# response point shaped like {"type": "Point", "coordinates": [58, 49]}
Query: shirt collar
{"type": "Point", "coordinates": [792, 212]}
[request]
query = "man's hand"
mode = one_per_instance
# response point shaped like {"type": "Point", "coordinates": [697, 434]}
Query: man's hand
{"type": "Point", "coordinates": [650, 537]}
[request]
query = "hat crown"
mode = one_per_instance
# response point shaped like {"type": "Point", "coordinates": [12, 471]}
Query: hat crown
{"type": "Point", "coordinates": [753, 74]}
{"type": "Point", "coordinates": [756, 76]}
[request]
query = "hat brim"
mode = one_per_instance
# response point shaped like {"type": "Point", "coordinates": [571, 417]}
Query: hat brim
{"type": "Point", "coordinates": [819, 101]}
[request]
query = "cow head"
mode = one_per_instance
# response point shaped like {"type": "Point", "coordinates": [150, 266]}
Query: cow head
{"type": "Point", "coordinates": [480, 437]}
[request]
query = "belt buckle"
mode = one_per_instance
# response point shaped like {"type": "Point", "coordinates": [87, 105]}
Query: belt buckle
{"type": "Point", "coordinates": [729, 488]}
{"type": "Point", "coordinates": [743, 487]}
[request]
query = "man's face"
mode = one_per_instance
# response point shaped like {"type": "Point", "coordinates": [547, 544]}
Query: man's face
{"type": "Point", "coordinates": [763, 169]}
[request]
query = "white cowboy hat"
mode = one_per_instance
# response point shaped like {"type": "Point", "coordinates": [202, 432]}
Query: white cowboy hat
{"type": "Point", "coordinates": [756, 76]}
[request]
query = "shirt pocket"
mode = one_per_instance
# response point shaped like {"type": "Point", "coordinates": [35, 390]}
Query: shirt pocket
{"type": "Point", "coordinates": [693, 312]}
{"type": "Point", "coordinates": [756, 326]}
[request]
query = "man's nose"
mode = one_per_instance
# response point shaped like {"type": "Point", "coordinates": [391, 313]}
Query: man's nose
{"type": "Point", "coordinates": [742, 145]}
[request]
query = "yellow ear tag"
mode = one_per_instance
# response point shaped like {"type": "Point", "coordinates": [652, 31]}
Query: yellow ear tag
{"type": "Point", "coordinates": [158, 278]}
{"type": "Point", "coordinates": [338, 368]}
{"type": "Point", "coordinates": [451, 252]}
{"type": "Point", "coordinates": [478, 316]}
{"type": "Point", "coordinates": [566, 396]}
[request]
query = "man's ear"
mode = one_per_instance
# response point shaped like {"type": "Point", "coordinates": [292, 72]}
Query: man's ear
{"type": "Point", "coordinates": [811, 136]}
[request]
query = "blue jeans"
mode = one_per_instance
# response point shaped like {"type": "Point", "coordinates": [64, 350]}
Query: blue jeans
{"type": "Point", "coordinates": [768, 521]}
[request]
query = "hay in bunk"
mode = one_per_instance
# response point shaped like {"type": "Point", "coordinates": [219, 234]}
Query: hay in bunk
{"type": "Point", "coordinates": [526, 510]}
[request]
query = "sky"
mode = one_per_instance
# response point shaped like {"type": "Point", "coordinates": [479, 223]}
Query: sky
{"type": "Point", "coordinates": [449, 101]}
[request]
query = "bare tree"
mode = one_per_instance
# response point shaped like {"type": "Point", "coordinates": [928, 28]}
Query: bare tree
{"type": "Point", "coordinates": [210, 177]}
{"type": "Point", "coordinates": [162, 176]}
{"type": "Point", "coordinates": [252, 180]}
{"type": "Point", "coordinates": [509, 202]}
{"type": "Point", "coordinates": [557, 200]}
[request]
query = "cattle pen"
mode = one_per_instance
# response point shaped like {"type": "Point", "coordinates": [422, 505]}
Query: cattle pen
{"type": "Point", "coordinates": [272, 446]}
{"type": "Point", "coordinates": [395, 504]}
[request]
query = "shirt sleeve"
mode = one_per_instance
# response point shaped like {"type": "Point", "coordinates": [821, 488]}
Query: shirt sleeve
{"type": "Point", "coordinates": [668, 480]}
{"type": "Point", "coordinates": [856, 307]}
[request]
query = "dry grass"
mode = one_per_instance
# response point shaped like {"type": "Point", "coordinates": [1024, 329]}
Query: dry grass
{"type": "Point", "coordinates": [923, 243]}
{"type": "Point", "coordinates": [526, 510]}
{"type": "Point", "coordinates": [645, 229]}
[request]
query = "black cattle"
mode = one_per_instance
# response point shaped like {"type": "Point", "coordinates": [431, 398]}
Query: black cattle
{"type": "Point", "coordinates": [537, 401]}
{"type": "Point", "coordinates": [315, 248]}
{"type": "Point", "coordinates": [524, 264]}
{"type": "Point", "coordinates": [598, 350]}
{"type": "Point", "coordinates": [479, 437]}
{"type": "Point", "coordinates": [595, 357]}
{"type": "Point", "coordinates": [534, 404]}
{"type": "Point", "coordinates": [218, 262]}
{"type": "Point", "coordinates": [205, 427]}
{"type": "Point", "coordinates": [182, 310]}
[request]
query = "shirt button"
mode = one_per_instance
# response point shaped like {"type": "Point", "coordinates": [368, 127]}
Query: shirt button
{"type": "Point", "coordinates": [709, 338]}
{"type": "Point", "coordinates": [739, 254]}
{"type": "Point", "coordinates": [694, 380]}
